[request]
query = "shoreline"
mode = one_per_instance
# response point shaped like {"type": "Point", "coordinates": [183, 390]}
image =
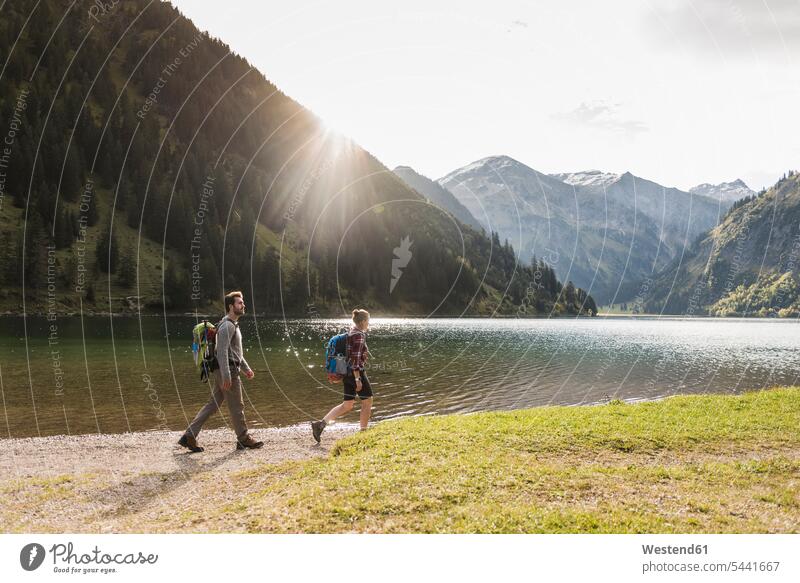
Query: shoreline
{"type": "Point", "coordinates": [693, 463]}
{"type": "Point", "coordinates": [375, 316]}
{"type": "Point", "coordinates": [156, 451]}
{"type": "Point", "coordinates": [298, 316]}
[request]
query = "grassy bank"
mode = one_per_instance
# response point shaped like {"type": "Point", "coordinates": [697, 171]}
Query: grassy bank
{"type": "Point", "coordinates": [684, 464]}
{"type": "Point", "coordinates": [694, 463]}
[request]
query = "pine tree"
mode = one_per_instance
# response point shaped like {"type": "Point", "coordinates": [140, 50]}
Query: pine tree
{"type": "Point", "coordinates": [127, 269]}
{"type": "Point", "coordinates": [107, 252]}
{"type": "Point", "coordinates": [73, 224]}
{"type": "Point", "coordinates": [63, 229]}
{"type": "Point", "coordinates": [92, 215]}
{"type": "Point", "coordinates": [569, 296]}
{"type": "Point", "coordinates": [176, 290]}
{"type": "Point", "coordinates": [12, 260]}
{"type": "Point", "coordinates": [73, 179]}
{"type": "Point", "coordinates": [34, 237]}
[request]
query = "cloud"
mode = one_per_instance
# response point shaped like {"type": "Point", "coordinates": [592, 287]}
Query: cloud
{"type": "Point", "coordinates": [728, 28]}
{"type": "Point", "coordinates": [603, 116]}
{"type": "Point", "coordinates": [517, 24]}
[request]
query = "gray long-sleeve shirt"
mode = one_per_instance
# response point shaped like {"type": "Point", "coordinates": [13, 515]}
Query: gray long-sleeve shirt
{"type": "Point", "coordinates": [229, 347]}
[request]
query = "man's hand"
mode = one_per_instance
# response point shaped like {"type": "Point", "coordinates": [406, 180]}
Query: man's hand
{"type": "Point", "coordinates": [226, 385]}
{"type": "Point", "coordinates": [359, 385]}
{"type": "Point", "coordinates": [249, 374]}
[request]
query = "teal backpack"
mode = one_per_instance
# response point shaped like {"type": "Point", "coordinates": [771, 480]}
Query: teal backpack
{"type": "Point", "coordinates": [336, 365]}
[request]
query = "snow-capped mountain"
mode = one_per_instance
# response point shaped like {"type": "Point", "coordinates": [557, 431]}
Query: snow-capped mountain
{"type": "Point", "coordinates": [726, 192]}
{"type": "Point", "coordinates": [588, 178]}
{"type": "Point", "coordinates": [500, 175]}
{"type": "Point", "coordinates": [605, 232]}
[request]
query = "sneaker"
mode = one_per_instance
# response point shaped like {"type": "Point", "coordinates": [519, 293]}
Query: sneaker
{"type": "Point", "coordinates": [248, 442]}
{"type": "Point", "coordinates": [316, 429]}
{"type": "Point", "coordinates": [189, 442]}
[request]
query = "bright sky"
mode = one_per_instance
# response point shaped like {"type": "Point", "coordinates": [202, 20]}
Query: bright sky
{"type": "Point", "coordinates": [679, 92]}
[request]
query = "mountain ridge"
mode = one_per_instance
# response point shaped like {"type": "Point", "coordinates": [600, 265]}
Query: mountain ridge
{"type": "Point", "coordinates": [726, 192]}
{"type": "Point", "coordinates": [746, 265]}
{"type": "Point", "coordinates": [621, 227]}
{"type": "Point", "coordinates": [208, 178]}
{"type": "Point", "coordinates": [437, 194]}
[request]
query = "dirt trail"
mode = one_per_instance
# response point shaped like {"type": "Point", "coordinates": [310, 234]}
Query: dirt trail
{"type": "Point", "coordinates": [101, 483]}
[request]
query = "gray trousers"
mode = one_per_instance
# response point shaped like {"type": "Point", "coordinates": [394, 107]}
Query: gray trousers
{"type": "Point", "coordinates": [232, 396]}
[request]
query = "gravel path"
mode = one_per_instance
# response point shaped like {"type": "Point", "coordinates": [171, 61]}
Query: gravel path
{"type": "Point", "coordinates": [157, 451]}
{"type": "Point", "coordinates": [102, 483]}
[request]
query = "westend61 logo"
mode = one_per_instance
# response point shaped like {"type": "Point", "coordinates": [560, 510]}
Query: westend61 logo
{"type": "Point", "coordinates": [66, 560]}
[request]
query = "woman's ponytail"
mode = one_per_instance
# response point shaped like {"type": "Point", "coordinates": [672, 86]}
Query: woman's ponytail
{"type": "Point", "coordinates": [360, 316]}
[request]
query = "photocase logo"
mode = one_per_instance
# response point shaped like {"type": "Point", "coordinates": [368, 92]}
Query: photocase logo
{"type": "Point", "coordinates": [402, 255]}
{"type": "Point", "coordinates": [31, 556]}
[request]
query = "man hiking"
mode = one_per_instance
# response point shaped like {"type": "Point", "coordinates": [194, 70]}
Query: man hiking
{"type": "Point", "coordinates": [355, 381]}
{"type": "Point", "coordinates": [227, 385]}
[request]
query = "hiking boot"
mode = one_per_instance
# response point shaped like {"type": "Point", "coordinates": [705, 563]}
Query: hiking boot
{"type": "Point", "coordinates": [248, 442]}
{"type": "Point", "coordinates": [316, 429]}
{"type": "Point", "coordinates": [189, 442]}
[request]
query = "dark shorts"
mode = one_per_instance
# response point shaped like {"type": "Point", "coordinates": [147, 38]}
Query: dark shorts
{"type": "Point", "coordinates": [349, 382]}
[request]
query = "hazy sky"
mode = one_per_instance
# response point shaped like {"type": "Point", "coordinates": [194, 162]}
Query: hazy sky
{"type": "Point", "coordinates": [679, 92]}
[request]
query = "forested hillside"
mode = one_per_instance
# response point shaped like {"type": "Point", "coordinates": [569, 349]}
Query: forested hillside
{"type": "Point", "coordinates": [746, 266]}
{"type": "Point", "coordinates": [147, 167]}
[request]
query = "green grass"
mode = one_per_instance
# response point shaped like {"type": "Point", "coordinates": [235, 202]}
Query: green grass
{"type": "Point", "coordinates": [685, 464]}
{"type": "Point", "coordinates": [26, 498]}
{"type": "Point", "coordinates": [704, 463]}
{"type": "Point", "coordinates": [617, 309]}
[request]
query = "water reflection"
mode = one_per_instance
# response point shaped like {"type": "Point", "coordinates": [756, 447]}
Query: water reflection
{"type": "Point", "coordinates": [140, 375]}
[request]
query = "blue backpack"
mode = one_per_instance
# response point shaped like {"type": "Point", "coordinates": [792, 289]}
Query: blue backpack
{"type": "Point", "coordinates": [336, 358]}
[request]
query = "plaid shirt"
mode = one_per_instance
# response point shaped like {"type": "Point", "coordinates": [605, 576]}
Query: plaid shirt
{"type": "Point", "coordinates": [357, 348]}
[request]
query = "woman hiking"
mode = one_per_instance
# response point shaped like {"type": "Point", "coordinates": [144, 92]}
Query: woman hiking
{"type": "Point", "coordinates": [355, 381]}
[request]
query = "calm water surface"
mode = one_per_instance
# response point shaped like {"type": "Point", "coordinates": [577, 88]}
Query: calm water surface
{"type": "Point", "coordinates": [114, 375]}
